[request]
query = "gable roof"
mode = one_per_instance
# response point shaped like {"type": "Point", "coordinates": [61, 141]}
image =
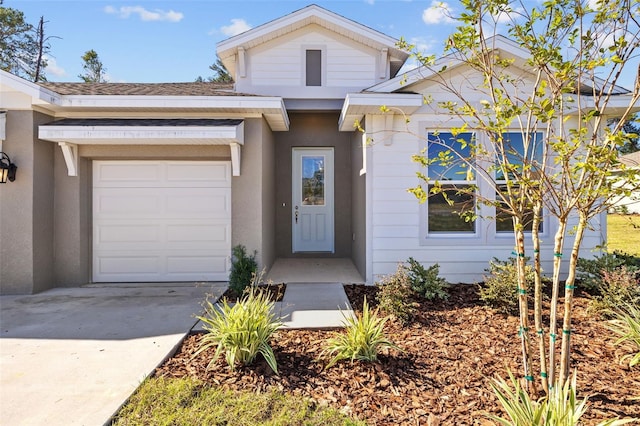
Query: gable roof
{"type": "Point", "coordinates": [312, 14]}
{"type": "Point", "coordinates": [144, 89]}
{"type": "Point", "coordinates": [497, 42]}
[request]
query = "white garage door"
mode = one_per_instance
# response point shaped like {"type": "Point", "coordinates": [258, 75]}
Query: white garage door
{"type": "Point", "coordinates": [159, 221]}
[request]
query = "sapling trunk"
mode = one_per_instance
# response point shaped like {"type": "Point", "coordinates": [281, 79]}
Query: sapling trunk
{"type": "Point", "coordinates": [565, 353]}
{"type": "Point", "coordinates": [535, 237]}
{"type": "Point", "coordinates": [553, 326]}
{"type": "Point", "coordinates": [523, 305]}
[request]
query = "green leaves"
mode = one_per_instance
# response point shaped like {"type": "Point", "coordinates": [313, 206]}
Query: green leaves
{"type": "Point", "coordinates": [240, 331]}
{"type": "Point", "coordinates": [362, 340]}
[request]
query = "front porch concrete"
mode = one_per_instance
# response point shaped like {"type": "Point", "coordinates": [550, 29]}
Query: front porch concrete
{"type": "Point", "coordinates": [314, 270]}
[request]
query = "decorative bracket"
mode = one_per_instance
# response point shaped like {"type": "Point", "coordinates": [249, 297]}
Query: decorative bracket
{"type": "Point", "coordinates": [235, 158]}
{"type": "Point", "coordinates": [70, 153]}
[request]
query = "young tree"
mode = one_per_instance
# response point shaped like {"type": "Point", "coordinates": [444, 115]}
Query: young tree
{"type": "Point", "coordinates": [22, 46]}
{"type": "Point", "coordinates": [566, 142]}
{"type": "Point", "coordinates": [221, 75]}
{"type": "Point", "coordinates": [94, 70]}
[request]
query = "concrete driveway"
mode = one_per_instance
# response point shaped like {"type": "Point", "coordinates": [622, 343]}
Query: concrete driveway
{"type": "Point", "coordinates": [72, 356]}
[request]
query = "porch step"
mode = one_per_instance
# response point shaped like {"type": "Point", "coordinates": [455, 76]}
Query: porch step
{"type": "Point", "coordinates": [314, 305]}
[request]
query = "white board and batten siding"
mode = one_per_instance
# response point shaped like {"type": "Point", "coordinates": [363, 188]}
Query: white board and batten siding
{"type": "Point", "coordinates": [161, 221]}
{"type": "Point", "coordinates": [279, 65]}
{"type": "Point", "coordinates": [394, 219]}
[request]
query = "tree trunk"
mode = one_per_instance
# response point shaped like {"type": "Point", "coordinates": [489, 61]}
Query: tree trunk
{"type": "Point", "coordinates": [553, 310]}
{"type": "Point", "coordinates": [542, 348]}
{"type": "Point", "coordinates": [565, 354]}
{"type": "Point", "coordinates": [523, 332]}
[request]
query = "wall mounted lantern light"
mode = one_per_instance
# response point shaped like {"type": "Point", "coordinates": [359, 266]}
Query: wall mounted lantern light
{"type": "Point", "coordinates": [7, 169]}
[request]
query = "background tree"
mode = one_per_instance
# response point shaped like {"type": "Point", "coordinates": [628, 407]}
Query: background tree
{"type": "Point", "coordinates": [633, 142]}
{"type": "Point", "coordinates": [577, 51]}
{"type": "Point", "coordinates": [23, 47]}
{"type": "Point", "coordinates": [221, 75]}
{"type": "Point", "coordinates": [93, 68]}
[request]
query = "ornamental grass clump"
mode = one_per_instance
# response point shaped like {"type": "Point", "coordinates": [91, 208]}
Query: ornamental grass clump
{"type": "Point", "coordinates": [363, 339]}
{"type": "Point", "coordinates": [559, 408]}
{"type": "Point", "coordinates": [241, 331]}
{"type": "Point", "coordinates": [626, 324]}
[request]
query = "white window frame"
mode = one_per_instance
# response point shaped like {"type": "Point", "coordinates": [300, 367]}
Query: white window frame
{"type": "Point", "coordinates": [501, 235]}
{"type": "Point", "coordinates": [452, 237]}
{"type": "Point", "coordinates": [323, 64]}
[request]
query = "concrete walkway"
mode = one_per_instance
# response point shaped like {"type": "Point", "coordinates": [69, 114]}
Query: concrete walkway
{"type": "Point", "coordinates": [73, 356]}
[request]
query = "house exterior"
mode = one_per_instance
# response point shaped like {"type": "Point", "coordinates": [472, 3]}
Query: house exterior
{"type": "Point", "coordinates": [629, 203]}
{"type": "Point", "coordinates": [127, 182]}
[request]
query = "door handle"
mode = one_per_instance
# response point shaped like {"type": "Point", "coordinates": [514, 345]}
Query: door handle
{"type": "Point", "coordinates": [297, 212]}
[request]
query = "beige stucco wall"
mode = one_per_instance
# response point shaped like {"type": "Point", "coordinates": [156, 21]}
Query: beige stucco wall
{"type": "Point", "coordinates": [313, 130]}
{"type": "Point", "coordinates": [251, 193]}
{"type": "Point", "coordinates": [26, 209]}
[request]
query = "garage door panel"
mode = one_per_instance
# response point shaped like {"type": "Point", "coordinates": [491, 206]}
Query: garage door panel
{"type": "Point", "coordinates": [175, 228]}
{"type": "Point", "coordinates": [202, 233]}
{"type": "Point", "coordinates": [116, 233]}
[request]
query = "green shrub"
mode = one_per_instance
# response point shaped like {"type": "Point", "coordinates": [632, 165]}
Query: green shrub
{"type": "Point", "coordinates": [426, 282]}
{"type": "Point", "coordinates": [626, 324]}
{"type": "Point", "coordinates": [362, 339]}
{"type": "Point", "coordinates": [243, 269]}
{"type": "Point", "coordinates": [590, 271]}
{"type": "Point", "coordinates": [500, 289]}
{"type": "Point", "coordinates": [394, 296]}
{"type": "Point", "coordinates": [241, 331]}
{"type": "Point", "coordinates": [617, 288]}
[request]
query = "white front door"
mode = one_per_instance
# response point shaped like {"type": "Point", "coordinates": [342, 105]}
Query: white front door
{"type": "Point", "coordinates": [312, 203]}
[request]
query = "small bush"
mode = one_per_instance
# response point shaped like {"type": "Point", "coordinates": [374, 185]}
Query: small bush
{"type": "Point", "coordinates": [241, 331]}
{"type": "Point", "coordinates": [426, 282]}
{"type": "Point", "coordinates": [626, 324]}
{"type": "Point", "coordinates": [243, 269]}
{"type": "Point", "coordinates": [362, 340]}
{"type": "Point", "coordinates": [618, 287]}
{"type": "Point", "coordinates": [559, 408]}
{"type": "Point", "coordinates": [394, 296]}
{"type": "Point", "coordinates": [590, 271]}
{"type": "Point", "coordinates": [500, 289]}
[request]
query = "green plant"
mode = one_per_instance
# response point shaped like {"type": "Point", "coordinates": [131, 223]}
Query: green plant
{"type": "Point", "coordinates": [362, 340]}
{"type": "Point", "coordinates": [626, 324]}
{"type": "Point", "coordinates": [394, 296]}
{"type": "Point", "coordinates": [426, 282]}
{"type": "Point", "coordinates": [241, 331]}
{"type": "Point", "coordinates": [243, 269]}
{"type": "Point", "coordinates": [591, 271]}
{"type": "Point", "coordinates": [559, 408]}
{"type": "Point", "coordinates": [500, 289]}
{"type": "Point", "coordinates": [618, 287]}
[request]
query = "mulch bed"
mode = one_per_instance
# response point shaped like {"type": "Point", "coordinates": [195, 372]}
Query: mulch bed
{"type": "Point", "coordinates": [275, 292]}
{"type": "Point", "coordinates": [440, 377]}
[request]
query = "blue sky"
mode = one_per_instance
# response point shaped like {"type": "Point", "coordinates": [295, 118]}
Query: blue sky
{"type": "Point", "coordinates": [174, 41]}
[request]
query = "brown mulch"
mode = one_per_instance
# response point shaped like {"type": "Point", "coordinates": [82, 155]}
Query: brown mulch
{"type": "Point", "coordinates": [274, 291]}
{"type": "Point", "coordinates": [440, 377]}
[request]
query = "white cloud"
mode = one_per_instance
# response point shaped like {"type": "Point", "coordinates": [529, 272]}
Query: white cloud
{"type": "Point", "coordinates": [53, 68]}
{"type": "Point", "coordinates": [438, 13]}
{"type": "Point", "coordinates": [370, 1]}
{"type": "Point", "coordinates": [236, 27]}
{"type": "Point", "coordinates": [125, 12]}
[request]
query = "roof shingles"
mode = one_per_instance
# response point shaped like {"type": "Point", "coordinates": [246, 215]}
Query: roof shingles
{"type": "Point", "coordinates": [144, 89]}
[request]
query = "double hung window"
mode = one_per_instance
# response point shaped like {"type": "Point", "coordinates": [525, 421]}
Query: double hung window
{"type": "Point", "coordinates": [517, 157]}
{"type": "Point", "coordinates": [452, 184]}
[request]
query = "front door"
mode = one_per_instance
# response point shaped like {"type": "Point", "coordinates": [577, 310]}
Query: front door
{"type": "Point", "coordinates": [312, 203]}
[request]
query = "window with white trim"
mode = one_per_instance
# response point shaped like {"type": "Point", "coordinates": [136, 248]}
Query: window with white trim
{"type": "Point", "coordinates": [517, 151]}
{"type": "Point", "coordinates": [313, 67]}
{"type": "Point", "coordinates": [452, 183]}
